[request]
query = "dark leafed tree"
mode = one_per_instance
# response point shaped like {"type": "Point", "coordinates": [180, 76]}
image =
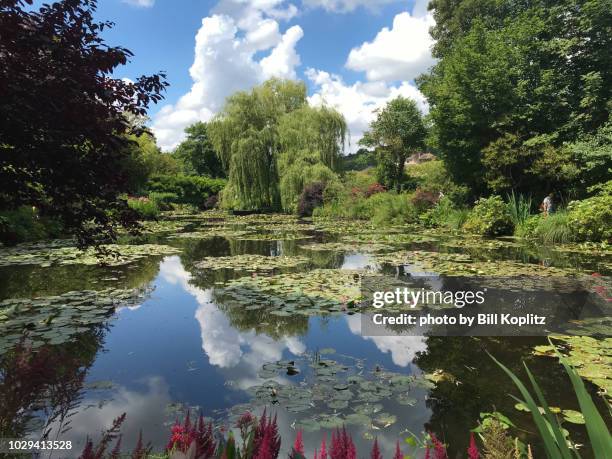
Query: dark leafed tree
{"type": "Point", "coordinates": [63, 116]}
{"type": "Point", "coordinates": [197, 153]}
{"type": "Point", "coordinates": [397, 132]}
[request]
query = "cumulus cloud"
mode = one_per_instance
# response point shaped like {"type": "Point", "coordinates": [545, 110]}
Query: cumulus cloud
{"type": "Point", "coordinates": [346, 6]}
{"type": "Point", "coordinates": [358, 102]}
{"type": "Point", "coordinates": [400, 53]}
{"type": "Point", "coordinates": [403, 349]}
{"type": "Point", "coordinates": [390, 62]}
{"type": "Point", "coordinates": [225, 61]}
{"type": "Point", "coordinates": [243, 351]}
{"type": "Point", "coordinates": [140, 3]}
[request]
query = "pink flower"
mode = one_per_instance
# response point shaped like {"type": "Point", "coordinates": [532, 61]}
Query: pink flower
{"type": "Point", "coordinates": [375, 453]}
{"type": "Point", "coordinates": [298, 445]}
{"type": "Point", "coordinates": [473, 449]}
{"type": "Point", "coordinates": [398, 452]}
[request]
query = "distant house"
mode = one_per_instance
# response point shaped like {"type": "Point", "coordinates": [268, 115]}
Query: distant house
{"type": "Point", "coordinates": [418, 158]}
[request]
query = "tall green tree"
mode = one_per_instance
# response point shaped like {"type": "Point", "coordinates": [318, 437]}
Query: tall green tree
{"type": "Point", "coordinates": [197, 154]}
{"type": "Point", "coordinates": [397, 132]}
{"type": "Point", "coordinates": [272, 144]}
{"type": "Point", "coordinates": [311, 145]}
{"type": "Point", "coordinates": [514, 83]}
{"type": "Point", "coordinates": [63, 123]}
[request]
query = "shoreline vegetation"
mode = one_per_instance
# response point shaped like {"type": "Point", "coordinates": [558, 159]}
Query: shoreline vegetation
{"type": "Point", "coordinates": [516, 148]}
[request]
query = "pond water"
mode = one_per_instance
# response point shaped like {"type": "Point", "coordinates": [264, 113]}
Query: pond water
{"type": "Point", "coordinates": [179, 346]}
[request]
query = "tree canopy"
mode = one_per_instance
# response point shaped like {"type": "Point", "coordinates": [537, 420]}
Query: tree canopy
{"type": "Point", "coordinates": [197, 154]}
{"type": "Point", "coordinates": [273, 144]}
{"type": "Point", "coordinates": [515, 82]}
{"type": "Point", "coordinates": [397, 132]}
{"type": "Point", "coordinates": [62, 115]}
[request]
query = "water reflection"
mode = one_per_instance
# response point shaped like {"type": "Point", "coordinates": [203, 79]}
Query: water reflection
{"type": "Point", "coordinates": [179, 347]}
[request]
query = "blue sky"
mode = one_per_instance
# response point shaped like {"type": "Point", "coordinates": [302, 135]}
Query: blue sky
{"type": "Point", "coordinates": [354, 54]}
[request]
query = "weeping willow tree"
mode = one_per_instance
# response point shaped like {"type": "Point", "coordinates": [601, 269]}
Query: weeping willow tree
{"type": "Point", "coordinates": [312, 141]}
{"type": "Point", "coordinates": [272, 144]}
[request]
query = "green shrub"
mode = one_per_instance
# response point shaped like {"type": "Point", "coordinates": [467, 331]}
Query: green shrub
{"type": "Point", "coordinates": [528, 227]}
{"type": "Point", "coordinates": [591, 218]}
{"type": "Point", "coordinates": [490, 217]}
{"type": "Point", "coordinates": [146, 208]}
{"type": "Point", "coordinates": [391, 208]}
{"type": "Point", "coordinates": [189, 189]}
{"type": "Point", "coordinates": [26, 224]}
{"type": "Point", "coordinates": [432, 176]}
{"type": "Point", "coordinates": [164, 200]}
{"type": "Point", "coordinates": [445, 214]}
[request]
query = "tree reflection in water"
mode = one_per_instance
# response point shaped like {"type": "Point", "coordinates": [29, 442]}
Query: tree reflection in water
{"type": "Point", "coordinates": [43, 386]}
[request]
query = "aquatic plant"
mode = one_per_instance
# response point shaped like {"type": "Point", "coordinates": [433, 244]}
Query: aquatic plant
{"type": "Point", "coordinates": [63, 253]}
{"type": "Point", "coordinates": [548, 425]}
{"type": "Point", "coordinates": [519, 207]}
{"type": "Point", "coordinates": [252, 263]}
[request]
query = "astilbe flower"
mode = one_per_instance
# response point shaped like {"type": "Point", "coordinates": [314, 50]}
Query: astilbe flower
{"type": "Point", "coordinates": [375, 453]}
{"type": "Point", "coordinates": [472, 451]}
{"type": "Point", "coordinates": [438, 447]}
{"type": "Point", "coordinates": [298, 446]}
{"type": "Point", "coordinates": [183, 435]}
{"type": "Point", "coordinates": [342, 446]}
{"type": "Point", "coordinates": [266, 443]}
{"type": "Point", "coordinates": [245, 422]}
{"type": "Point", "coordinates": [398, 452]}
{"type": "Point", "coordinates": [323, 453]}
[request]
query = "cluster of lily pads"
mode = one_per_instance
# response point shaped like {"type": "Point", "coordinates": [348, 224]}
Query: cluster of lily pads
{"type": "Point", "coordinates": [56, 254]}
{"type": "Point", "coordinates": [461, 264]}
{"type": "Point", "coordinates": [312, 292]}
{"type": "Point", "coordinates": [591, 357]}
{"type": "Point", "coordinates": [252, 263]}
{"type": "Point", "coordinates": [208, 233]}
{"type": "Point", "coordinates": [335, 394]}
{"type": "Point", "coordinates": [57, 319]}
{"type": "Point", "coordinates": [388, 238]}
{"type": "Point", "coordinates": [346, 247]}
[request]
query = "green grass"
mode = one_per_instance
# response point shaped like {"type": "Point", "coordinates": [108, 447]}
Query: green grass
{"type": "Point", "coordinates": [554, 229]}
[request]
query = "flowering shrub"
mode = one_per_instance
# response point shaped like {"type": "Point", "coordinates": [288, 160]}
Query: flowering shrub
{"type": "Point", "coordinates": [260, 440]}
{"type": "Point", "coordinates": [423, 200]}
{"type": "Point", "coordinates": [374, 188]}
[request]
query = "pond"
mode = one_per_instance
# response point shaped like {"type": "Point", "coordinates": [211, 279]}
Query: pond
{"type": "Point", "coordinates": [200, 319]}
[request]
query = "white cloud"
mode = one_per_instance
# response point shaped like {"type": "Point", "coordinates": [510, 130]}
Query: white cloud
{"type": "Point", "coordinates": [140, 3]}
{"type": "Point", "coordinates": [346, 6]}
{"type": "Point", "coordinates": [283, 59]}
{"type": "Point", "coordinates": [395, 55]}
{"type": "Point", "coordinates": [400, 53]}
{"type": "Point", "coordinates": [403, 349]}
{"type": "Point", "coordinates": [359, 101]}
{"type": "Point", "coordinates": [225, 61]}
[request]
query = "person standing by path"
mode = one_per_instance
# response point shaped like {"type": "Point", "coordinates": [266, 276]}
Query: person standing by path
{"type": "Point", "coordinates": [548, 205]}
